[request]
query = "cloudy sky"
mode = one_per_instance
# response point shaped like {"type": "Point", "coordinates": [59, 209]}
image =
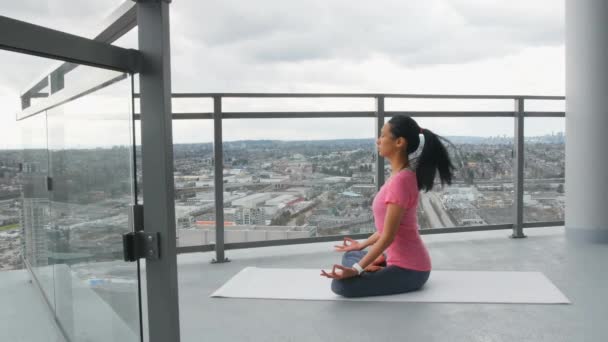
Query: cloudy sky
{"type": "Point", "coordinates": [434, 46]}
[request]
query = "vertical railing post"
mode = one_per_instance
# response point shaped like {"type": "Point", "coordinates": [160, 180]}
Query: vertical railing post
{"type": "Point", "coordinates": [157, 168]}
{"type": "Point", "coordinates": [218, 164]}
{"type": "Point", "coordinates": [518, 181]}
{"type": "Point", "coordinates": [379, 123]}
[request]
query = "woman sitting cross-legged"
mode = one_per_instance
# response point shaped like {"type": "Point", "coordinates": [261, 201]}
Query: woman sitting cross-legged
{"type": "Point", "coordinates": [407, 265]}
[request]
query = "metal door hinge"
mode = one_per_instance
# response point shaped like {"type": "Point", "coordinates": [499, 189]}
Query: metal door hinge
{"type": "Point", "coordinates": [139, 244]}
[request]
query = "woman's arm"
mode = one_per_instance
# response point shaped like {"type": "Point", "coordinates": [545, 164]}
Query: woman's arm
{"type": "Point", "coordinates": [394, 213]}
{"type": "Point", "coordinates": [351, 244]}
{"type": "Point", "coordinates": [391, 225]}
{"type": "Point", "coordinates": [370, 240]}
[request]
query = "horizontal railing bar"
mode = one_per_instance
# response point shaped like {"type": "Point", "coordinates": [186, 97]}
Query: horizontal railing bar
{"type": "Point", "coordinates": [195, 249]}
{"type": "Point", "coordinates": [364, 95]}
{"type": "Point", "coordinates": [454, 114]}
{"type": "Point", "coordinates": [184, 116]}
{"type": "Point", "coordinates": [264, 95]}
{"type": "Point", "coordinates": [352, 114]}
{"type": "Point", "coordinates": [270, 243]}
{"type": "Point", "coordinates": [543, 224]}
{"type": "Point", "coordinates": [544, 114]}
{"type": "Point", "coordinates": [466, 229]}
{"type": "Point", "coordinates": [287, 115]}
{"type": "Point", "coordinates": [284, 242]}
{"type": "Point", "coordinates": [481, 97]}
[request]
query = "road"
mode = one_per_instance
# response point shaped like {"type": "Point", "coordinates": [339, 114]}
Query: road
{"type": "Point", "coordinates": [436, 219]}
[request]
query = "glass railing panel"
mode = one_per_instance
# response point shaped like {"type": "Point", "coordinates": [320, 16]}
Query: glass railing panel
{"type": "Point", "coordinates": [24, 203]}
{"type": "Point", "coordinates": [544, 169]}
{"type": "Point", "coordinates": [482, 189]}
{"type": "Point", "coordinates": [90, 146]}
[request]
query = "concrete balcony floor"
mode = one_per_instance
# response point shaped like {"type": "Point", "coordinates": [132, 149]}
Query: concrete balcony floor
{"type": "Point", "coordinates": [24, 317]}
{"type": "Point", "coordinates": [579, 271]}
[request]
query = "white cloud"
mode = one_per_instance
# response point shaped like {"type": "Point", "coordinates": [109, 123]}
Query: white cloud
{"type": "Point", "coordinates": [409, 32]}
{"type": "Point", "coordinates": [451, 47]}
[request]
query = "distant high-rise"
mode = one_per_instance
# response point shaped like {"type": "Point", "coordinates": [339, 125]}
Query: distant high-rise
{"type": "Point", "coordinates": [34, 215]}
{"type": "Point", "coordinates": [34, 224]}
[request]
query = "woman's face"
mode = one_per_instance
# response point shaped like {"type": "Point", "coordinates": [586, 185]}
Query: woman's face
{"type": "Point", "coordinates": [387, 145]}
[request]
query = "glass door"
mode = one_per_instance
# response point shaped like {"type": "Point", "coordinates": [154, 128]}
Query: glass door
{"type": "Point", "coordinates": [90, 147]}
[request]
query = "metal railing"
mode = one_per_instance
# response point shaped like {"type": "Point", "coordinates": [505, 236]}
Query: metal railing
{"type": "Point", "coordinates": [380, 113]}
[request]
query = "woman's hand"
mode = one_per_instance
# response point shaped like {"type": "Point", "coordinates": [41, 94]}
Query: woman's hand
{"type": "Point", "coordinates": [348, 245]}
{"type": "Point", "coordinates": [380, 261]}
{"type": "Point", "coordinates": [341, 272]}
{"type": "Point", "coordinates": [373, 268]}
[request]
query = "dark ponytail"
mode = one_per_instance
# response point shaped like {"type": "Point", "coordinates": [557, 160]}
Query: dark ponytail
{"type": "Point", "coordinates": [434, 156]}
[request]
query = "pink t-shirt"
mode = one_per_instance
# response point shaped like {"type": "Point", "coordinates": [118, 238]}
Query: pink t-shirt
{"type": "Point", "coordinates": [408, 249]}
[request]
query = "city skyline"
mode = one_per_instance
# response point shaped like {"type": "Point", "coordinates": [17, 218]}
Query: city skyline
{"type": "Point", "coordinates": [327, 184]}
{"type": "Point", "coordinates": [553, 137]}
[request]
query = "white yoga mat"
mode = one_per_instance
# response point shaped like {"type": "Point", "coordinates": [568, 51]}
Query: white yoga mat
{"type": "Point", "coordinates": [442, 287]}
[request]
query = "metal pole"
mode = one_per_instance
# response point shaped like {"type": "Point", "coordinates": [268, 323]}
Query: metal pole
{"type": "Point", "coordinates": [379, 124]}
{"type": "Point", "coordinates": [518, 181]}
{"type": "Point", "coordinates": [218, 164]}
{"type": "Point", "coordinates": [157, 168]}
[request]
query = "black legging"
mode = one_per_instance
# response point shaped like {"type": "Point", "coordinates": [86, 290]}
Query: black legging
{"type": "Point", "coordinates": [387, 281]}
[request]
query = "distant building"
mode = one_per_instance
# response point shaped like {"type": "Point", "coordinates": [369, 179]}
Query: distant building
{"type": "Point", "coordinates": [249, 216]}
